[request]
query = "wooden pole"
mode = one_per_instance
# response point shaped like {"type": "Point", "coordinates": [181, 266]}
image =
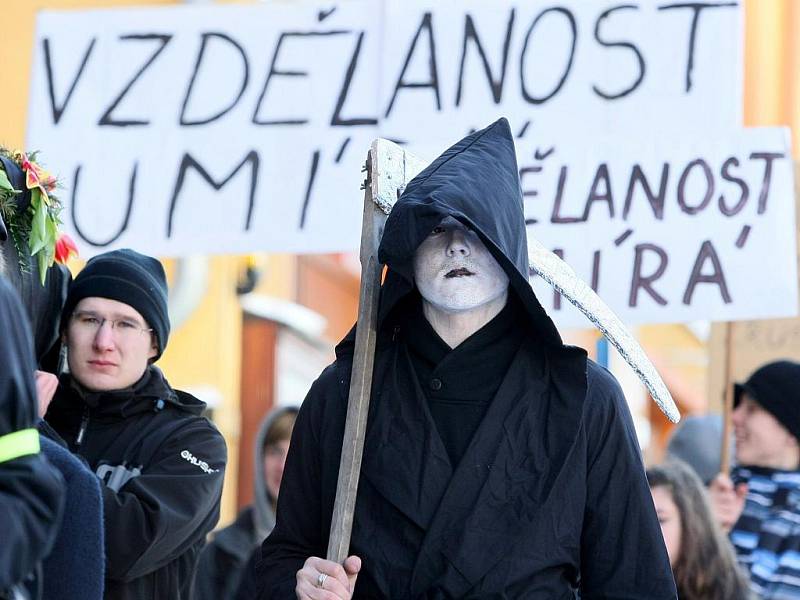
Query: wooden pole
{"type": "Point", "coordinates": [727, 402]}
{"type": "Point", "coordinates": [361, 375]}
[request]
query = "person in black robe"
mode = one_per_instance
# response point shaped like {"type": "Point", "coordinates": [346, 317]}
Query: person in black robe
{"type": "Point", "coordinates": [498, 462]}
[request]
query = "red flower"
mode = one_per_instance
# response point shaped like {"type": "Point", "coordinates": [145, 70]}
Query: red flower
{"type": "Point", "coordinates": [65, 248]}
{"type": "Point", "coordinates": [36, 176]}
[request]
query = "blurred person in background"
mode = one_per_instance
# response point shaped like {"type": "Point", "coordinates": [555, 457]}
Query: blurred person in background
{"type": "Point", "coordinates": [759, 503]}
{"type": "Point", "coordinates": [697, 441]}
{"type": "Point", "coordinates": [702, 559]}
{"type": "Point", "coordinates": [161, 464]}
{"type": "Point", "coordinates": [225, 563]}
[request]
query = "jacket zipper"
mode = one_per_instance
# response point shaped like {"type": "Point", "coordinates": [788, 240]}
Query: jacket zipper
{"type": "Point", "coordinates": [84, 426]}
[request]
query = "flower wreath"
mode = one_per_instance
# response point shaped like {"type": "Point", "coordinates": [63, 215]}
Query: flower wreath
{"type": "Point", "coordinates": [34, 230]}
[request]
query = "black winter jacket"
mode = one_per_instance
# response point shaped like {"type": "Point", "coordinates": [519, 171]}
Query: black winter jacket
{"type": "Point", "coordinates": [161, 466]}
{"type": "Point", "coordinates": [31, 490]}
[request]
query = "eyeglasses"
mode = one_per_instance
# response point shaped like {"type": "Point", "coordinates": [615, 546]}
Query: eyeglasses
{"type": "Point", "coordinates": [90, 323]}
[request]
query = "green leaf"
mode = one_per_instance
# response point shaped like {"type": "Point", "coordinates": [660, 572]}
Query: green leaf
{"type": "Point", "coordinates": [5, 183]}
{"type": "Point", "coordinates": [52, 230]}
{"type": "Point", "coordinates": [42, 260]}
{"type": "Point", "coordinates": [38, 235]}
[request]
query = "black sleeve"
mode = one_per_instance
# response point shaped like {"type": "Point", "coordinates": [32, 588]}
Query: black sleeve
{"type": "Point", "coordinates": [622, 549]}
{"type": "Point", "coordinates": [299, 520]}
{"type": "Point", "coordinates": [173, 504]}
{"type": "Point", "coordinates": [31, 502]}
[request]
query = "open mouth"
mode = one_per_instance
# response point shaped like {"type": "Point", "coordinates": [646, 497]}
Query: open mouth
{"type": "Point", "coordinates": [459, 272]}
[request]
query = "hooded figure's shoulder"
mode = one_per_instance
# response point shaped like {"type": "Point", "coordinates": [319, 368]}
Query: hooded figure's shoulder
{"type": "Point", "coordinates": [606, 408]}
{"type": "Point", "coordinates": [600, 382]}
{"type": "Point", "coordinates": [603, 391]}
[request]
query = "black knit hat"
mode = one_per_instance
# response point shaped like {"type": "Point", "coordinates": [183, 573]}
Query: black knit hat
{"type": "Point", "coordinates": [776, 388]}
{"type": "Point", "coordinates": [128, 277]}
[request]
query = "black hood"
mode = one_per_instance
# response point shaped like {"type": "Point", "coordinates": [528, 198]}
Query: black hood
{"type": "Point", "coordinates": [477, 182]}
{"type": "Point", "coordinates": [18, 405]}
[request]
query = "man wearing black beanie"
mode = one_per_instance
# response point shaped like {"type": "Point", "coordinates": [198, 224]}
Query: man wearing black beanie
{"type": "Point", "coordinates": [161, 463]}
{"type": "Point", "coordinates": [760, 502]}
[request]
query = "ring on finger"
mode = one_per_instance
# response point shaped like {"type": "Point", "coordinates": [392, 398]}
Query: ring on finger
{"type": "Point", "coordinates": [321, 579]}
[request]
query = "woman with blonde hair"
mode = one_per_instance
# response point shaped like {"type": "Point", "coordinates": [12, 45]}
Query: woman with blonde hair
{"type": "Point", "coordinates": [702, 559]}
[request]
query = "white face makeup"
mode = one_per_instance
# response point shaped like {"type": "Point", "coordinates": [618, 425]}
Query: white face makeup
{"type": "Point", "coordinates": [455, 272]}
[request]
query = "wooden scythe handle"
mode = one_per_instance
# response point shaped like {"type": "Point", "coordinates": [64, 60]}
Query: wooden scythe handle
{"type": "Point", "coordinates": [361, 376]}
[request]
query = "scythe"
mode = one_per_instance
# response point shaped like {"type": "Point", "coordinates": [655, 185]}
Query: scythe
{"type": "Point", "coordinates": [389, 168]}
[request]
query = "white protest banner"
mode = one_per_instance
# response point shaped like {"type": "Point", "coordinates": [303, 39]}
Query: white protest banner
{"type": "Point", "coordinates": [213, 129]}
{"type": "Point", "coordinates": [562, 71]}
{"type": "Point", "coordinates": [665, 234]}
{"type": "Point", "coordinates": [242, 128]}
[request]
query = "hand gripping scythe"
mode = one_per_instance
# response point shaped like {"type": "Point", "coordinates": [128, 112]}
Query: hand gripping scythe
{"type": "Point", "coordinates": [389, 168]}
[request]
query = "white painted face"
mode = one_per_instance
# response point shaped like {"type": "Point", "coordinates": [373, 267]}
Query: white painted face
{"type": "Point", "coordinates": [455, 272]}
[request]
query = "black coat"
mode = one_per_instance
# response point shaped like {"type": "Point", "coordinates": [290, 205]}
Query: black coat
{"type": "Point", "coordinates": [550, 496]}
{"type": "Point", "coordinates": [31, 490]}
{"type": "Point", "coordinates": [161, 467]}
{"type": "Point", "coordinates": [223, 561]}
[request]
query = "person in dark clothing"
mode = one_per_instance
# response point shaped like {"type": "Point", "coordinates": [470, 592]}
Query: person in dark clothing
{"type": "Point", "coordinates": [31, 490]}
{"type": "Point", "coordinates": [160, 463]}
{"type": "Point", "coordinates": [223, 562]}
{"type": "Point", "coordinates": [759, 502]}
{"type": "Point", "coordinates": [697, 441]}
{"type": "Point", "coordinates": [498, 462]}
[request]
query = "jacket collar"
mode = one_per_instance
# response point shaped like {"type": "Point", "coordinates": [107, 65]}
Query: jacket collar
{"type": "Point", "coordinates": [151, 393]}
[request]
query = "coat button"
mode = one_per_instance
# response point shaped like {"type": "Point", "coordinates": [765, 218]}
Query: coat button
{"type": "Point", "coordinates": [436, 384]}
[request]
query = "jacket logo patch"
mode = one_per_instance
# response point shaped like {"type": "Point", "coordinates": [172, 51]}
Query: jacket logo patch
{"type": "Point", "coordinates": [197, 462]}
{"type": "Point", "coordinates": [116, 476]}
